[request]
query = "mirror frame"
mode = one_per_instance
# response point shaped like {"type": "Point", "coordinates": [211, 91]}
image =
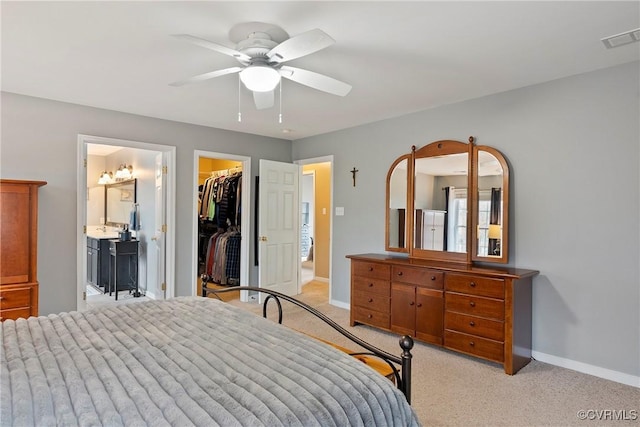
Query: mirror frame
{"type": "Point", "coordinates": [440, 148]}
{"type": "Point", "coordinates": [407, 239]}
{"type": "Point", "coordinates": [504, 242]}
{"type": "Point", "coordinates": [133, 181]}
{"type": "Point", "coordinates": [437, 149]}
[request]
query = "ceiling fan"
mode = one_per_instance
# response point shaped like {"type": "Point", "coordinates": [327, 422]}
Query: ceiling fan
{"type": "Point", "coordinates": [262, 55]}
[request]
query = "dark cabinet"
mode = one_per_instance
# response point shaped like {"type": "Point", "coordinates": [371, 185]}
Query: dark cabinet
{"type": "Point", "coordinates": [123, 272]}
{"type": "Point", "coordinates": [98, 262]}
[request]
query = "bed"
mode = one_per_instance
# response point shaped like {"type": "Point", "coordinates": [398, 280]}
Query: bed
{"type": "Point", "coordinates": [185, 361]}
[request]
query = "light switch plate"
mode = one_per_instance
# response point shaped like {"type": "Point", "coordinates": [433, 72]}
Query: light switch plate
{"type": "Point", "coordinates": [339, 211]}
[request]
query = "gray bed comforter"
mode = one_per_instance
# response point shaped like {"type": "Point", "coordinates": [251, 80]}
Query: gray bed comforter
{"type": "Point", "coordinates": [186, 361]}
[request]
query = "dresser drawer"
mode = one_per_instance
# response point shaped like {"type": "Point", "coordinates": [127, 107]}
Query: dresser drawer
{"type": "Point", "coordinates": [486, 328]}
{"type": "Point", "coordinates": [371, 317]}
{"type": "Point", "coordinates": [15, 298]}
{"type": "Point", "coordinates": [483, 286]}
{"type": "Point", "coordinates": [417, 276]}
{"type": "Point", "coordinates": [476, 346]}
{"type": "Point", "coordinates": [371, 269]}
{"type": "Point", "coordinates": [373, 286]}
{"type": "Point", "coordinates": [15, 313]}
{"type": "Point", "coordinates": [474, 306]}
{"type": "Point", "coordinates": [371, 301]}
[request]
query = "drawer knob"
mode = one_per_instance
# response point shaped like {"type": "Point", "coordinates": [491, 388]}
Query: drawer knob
{"type": "Point", "coordinates": [1, 298]}
{"type": "Point", "coordinates": [369, 316]}
{"type": "Point", "coordinates": [471, 343]}
{"type": "Point", "coordinates": [472, 304]}
{"type": "Point", "coordinates": [370, 268]}
{"type": "Point", "coordinates": [370, 299]}
{"type": "Point", "coordinates": [371, 285]}
{"type": "Point", "coordinates": [433, 277]}
{"type": "Point", "coordinates": [419, 304]}
{"type": "Point", "coordinates": [472, 284]}
{"type": "Point", "coordinates": [412, 303]}
{"type": "Point", "coordinates": [472, 323]}
{"type": "Point", "coordinates": [399, 273]}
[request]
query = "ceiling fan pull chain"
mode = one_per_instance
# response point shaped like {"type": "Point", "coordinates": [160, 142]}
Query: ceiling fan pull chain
{"type": "Point", "coordinates": [239, 113]}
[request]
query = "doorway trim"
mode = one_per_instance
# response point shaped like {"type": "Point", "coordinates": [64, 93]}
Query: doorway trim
{"type": "Point", "coordinates": [169, 155]}
{"type": "Point", "coordinates": [309, 161]}
{"type": "Point", "coordinates": [245, 218]}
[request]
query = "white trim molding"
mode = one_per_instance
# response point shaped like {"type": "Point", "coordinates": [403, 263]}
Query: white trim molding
{"type": "Point", "coordinates": [585, 368]}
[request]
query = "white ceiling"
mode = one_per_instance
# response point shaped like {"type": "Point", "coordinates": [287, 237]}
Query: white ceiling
{"type": "Point", "coordinates": [400, 57]}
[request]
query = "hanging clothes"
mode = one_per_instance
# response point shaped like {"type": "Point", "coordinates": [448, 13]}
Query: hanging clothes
{"type": "Point", "coordinates": [221, 204]}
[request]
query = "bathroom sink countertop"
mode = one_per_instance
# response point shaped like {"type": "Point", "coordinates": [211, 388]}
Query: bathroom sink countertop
{"type": "Point", "coordinates": [98, 233]}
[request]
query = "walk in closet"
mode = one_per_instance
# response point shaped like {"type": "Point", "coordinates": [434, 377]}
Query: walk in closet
{"type": "Point", "coordinates": [219, 224]}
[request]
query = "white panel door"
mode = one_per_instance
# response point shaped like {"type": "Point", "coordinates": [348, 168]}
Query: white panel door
{"type": "Point", "coordinates": [278, 227]}
{"type": "Point", "coordinates": [160, 227]}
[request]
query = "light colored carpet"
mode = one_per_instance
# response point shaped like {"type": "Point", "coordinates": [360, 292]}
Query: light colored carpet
{"type": "Point", "coordinates": [450, 389]}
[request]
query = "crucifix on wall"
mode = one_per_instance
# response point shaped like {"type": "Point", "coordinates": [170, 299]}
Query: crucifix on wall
{"type": "Point", "coordinates": [353, 172]}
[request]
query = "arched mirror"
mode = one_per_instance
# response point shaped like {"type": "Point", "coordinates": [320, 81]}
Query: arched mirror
{"type": "Point", "coordinates": [491, 220]}
{"type": "Point", "coordinates": [397, 195]}
{"type": "Point", "coordinates": [441, 201]}
{"type": "Point", "coordinates": [449, 201]}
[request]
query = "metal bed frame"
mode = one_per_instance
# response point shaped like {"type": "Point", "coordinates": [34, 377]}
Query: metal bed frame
{"type": "Point", "coordinates": [402, 375]}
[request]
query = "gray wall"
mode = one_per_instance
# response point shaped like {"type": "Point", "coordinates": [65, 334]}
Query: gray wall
{"type": "Point", "coordinates": [573, 148]}
{"type": "Point", "coordinates": [39, 142]}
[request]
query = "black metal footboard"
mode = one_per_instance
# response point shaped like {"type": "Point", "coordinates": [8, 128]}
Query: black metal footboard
{"type": "Point", "coordinates": [402, 376]}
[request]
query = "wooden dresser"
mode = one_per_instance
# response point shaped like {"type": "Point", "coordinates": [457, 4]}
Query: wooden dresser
{"type": "Point", "coordinates": [480, 311]}
{"type": "Point", "coordinates": [18, 248]}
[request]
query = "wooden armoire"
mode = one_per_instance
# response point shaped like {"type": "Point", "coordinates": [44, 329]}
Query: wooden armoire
{"type": "Point", "coordinates": [18, 248]}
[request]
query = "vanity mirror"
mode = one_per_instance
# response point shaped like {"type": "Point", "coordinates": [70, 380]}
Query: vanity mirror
{"type": "Point", "coordinates": [119, 200]}
{"type": "Point", "coordinates": [397, 196]}
{"type": "Point", "coordinates": [448, 201]}
{"type": "Point", "coordinates": [491, 218]}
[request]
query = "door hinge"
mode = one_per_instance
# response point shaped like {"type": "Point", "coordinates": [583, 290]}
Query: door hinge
{"type": "Point", "coordinates": [164, 228]}
{"type": "Point", "coordinates": [84, 296]}
{"type": "Point", "coordinates": [85, 163]}
{"type": "Point", "coordinates": [84, 229]}
{"type": "Point", "coordinates": [165, 170]}
{"type": "Point", "coordinates": [163, 286]}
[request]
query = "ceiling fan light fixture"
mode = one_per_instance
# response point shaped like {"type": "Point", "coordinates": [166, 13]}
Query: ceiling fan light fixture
{"type": "Point", "coordinates": [260, 78]}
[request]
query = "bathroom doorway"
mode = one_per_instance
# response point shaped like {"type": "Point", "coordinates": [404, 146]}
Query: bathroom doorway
{"type": "Point", "coordinates": [98, 155]}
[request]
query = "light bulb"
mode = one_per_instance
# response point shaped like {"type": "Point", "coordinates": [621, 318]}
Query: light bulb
{"type": "Point", "coordinates": [260, 78]}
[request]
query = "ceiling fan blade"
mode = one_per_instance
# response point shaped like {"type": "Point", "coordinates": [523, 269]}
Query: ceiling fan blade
{"type": "Point", "coordinates": [300, 45]}
{"type": "Point", "coordinates": [213, 46]}
{"type": "Point", "coordinates": [207, 76]}
{"type": "Point", "coordinates": [263, 100]}
{"type": "Point", "coordinates": [315, 80]}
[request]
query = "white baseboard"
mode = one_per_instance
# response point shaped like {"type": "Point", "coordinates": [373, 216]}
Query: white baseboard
{"type": "Point", "coordinates": [585, 368]}
{"type": "Point", "coordinates": [321, 279]}
{"type": "Point", "coordinates": [340, 304]}
{"type": "Point", "coordinates": [150, 295]}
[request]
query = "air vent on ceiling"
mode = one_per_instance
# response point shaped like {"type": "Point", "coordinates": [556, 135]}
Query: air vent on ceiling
{"type": "Point", "coordinates": [622, 38]}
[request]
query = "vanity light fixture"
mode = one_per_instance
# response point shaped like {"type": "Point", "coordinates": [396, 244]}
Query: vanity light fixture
{"type": "Point", "coordinates": [124, 172]}
{"type": "Point", "coordinates": [105, 178]}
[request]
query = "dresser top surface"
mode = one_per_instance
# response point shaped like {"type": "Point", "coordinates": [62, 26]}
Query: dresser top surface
{"type": "Point", "coordinates": [446, 266]}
